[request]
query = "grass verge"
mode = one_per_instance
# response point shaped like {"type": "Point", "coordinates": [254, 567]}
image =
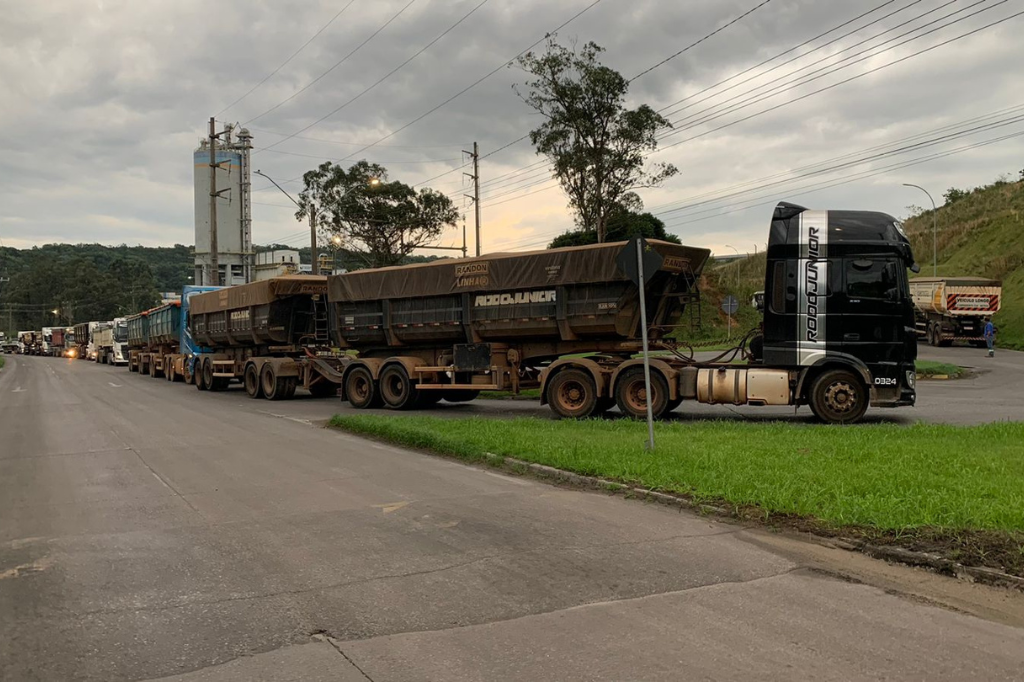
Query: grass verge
{"type": "Point", "coordinates": [2, 361]}
{"type": "Point", "coordinates": [528, 394]}
{"type": "Point", "coordinates": [957, 491]}
{"type": "Point", "coordinates": [930, 368]}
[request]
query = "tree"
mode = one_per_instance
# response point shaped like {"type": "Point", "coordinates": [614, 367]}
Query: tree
{"type": "Point", "coordinates": [622, 225]}
{"type": "Point", "coordinates": [381, 220]}
{"type": "Point", "coordinates": [953, 195]}
{"type": "Point", "coordinates": [596, 145]}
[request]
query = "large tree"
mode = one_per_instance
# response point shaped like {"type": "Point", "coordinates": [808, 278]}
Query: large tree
{"type": "Point", "coordinates": [596, 144]}
{"type": "Point", "coordinates": [622, 225]}
{"type": "Point", "coordinates": [379, 219]}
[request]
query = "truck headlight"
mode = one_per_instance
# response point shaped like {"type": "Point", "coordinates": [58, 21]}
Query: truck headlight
{"type": "Point", "coordinates": [911, 378]}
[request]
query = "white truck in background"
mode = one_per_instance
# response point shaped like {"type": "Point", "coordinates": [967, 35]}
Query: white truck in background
{"type": "Point", "coordinates": [948, 309]}
{"type": "Point", "coordinates": [110, 342]}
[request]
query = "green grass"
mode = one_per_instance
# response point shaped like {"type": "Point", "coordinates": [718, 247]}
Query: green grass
{"type": "Point", "coordinates": [932, 368]}
{"type": "Point", "coordinates": [886, 477]}
{"type": "Point", "coordinates": [526, 394]}
{"type": "Point", "coordinates": [2, 361]}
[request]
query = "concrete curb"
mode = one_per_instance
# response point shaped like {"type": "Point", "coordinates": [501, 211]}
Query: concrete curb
{"type": "Point", "coordinates": [934, 562]}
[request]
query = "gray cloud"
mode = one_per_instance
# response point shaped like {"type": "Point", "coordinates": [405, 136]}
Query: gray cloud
{"type": "Point", "coordinates": [104, 102]}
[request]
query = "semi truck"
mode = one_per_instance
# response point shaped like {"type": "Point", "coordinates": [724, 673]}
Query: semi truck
{"type": "Point", "coordinates": [111, 341]}
{"type": "Point", "coordinates": [837, 333]}
{"type": "Point", "coordinates": [70, 347]}
{"type": "Point", "coordinates": [85, 344]}
{"type": "Point", "coordinates": [47, 342]}
{"type": "Point", "coordinates": [272, 335]}
{"type": "Point", "coordinates": [949, 309]}
{"type": "Point", "coordinates": [138, 338]}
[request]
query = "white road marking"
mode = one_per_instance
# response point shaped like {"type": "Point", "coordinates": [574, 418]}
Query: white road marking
{"type": "Point", "coordinates": [114, 385]}
{"type": "Point", "coordinates": [19, 389]}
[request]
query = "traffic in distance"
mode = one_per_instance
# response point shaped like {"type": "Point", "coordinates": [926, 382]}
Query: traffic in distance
{"type": "Point", "coordinates": [839, 330]}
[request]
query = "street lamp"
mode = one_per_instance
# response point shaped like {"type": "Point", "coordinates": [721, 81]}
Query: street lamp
{"type": "Point", "coordinates": [728, 246]}
{"type": "Point", "coordinates": [314, 267]}
{"type": "Point", "coordinates": [935, 230]}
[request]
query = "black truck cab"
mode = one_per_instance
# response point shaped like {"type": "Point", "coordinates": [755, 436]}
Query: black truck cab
{"type": "Point", "coordinates": [837, 307]}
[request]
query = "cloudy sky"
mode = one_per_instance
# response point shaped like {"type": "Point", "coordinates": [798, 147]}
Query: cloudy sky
{"type": "Point", "coordinates": [103, 102]}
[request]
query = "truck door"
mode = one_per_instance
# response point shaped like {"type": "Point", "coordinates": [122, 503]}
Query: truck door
{"type": "Point", "coordinates": [874, 307]}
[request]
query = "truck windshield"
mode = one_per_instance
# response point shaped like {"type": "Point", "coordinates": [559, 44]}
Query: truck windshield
{"type": "Point", "coordinates": [121, 333]}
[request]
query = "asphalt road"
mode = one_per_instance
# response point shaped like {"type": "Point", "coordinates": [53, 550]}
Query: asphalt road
{"type": "Point", "coordinates": [148, 530]}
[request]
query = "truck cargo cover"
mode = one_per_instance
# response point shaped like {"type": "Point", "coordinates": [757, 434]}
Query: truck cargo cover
{"type": "Point", "coordinates": [257, 293]}
{"type": "Point", "coordinates": [506, 272]}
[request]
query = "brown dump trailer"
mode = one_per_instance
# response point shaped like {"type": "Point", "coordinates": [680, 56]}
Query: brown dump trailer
{"type": "Point", "coordinates": [504, 322]}
{"type": "Point", "coordinates": [273, 335]}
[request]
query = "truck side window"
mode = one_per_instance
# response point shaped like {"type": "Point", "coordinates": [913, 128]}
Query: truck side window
{"type": "Point", "coordinates": [867, 278]}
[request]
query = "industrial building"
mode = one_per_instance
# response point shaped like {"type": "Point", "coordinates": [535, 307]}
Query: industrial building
{"type": "Point", "coordinates": [236, 264]}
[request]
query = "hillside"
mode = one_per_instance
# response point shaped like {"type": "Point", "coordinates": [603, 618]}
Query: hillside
{"type": "Point", "coordinates": [979, 234]}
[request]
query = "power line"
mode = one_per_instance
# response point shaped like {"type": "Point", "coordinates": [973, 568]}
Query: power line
{"type": "Point", "coordinates": [789, 61]}
{"type": "Point", "coordinates": [328, 158]}
{"type": "Point", "coordinates": [359, 144]}
{"type": "Point", "coordinates": [719, 194]}
{"type": "Point", "coordinates": [285, 62]}
{"type": "Point", "coordinates": [478, 82]}
{"type": "Point", "coordinates": [829, 69]}
{"type": "Point", "coordinates": [710, 35]}
{"type": "Point", "coordinates": [386, 76]}
{"type": "Point", "coordinates": [843, 82]}
{"type": "Point", "coordinates": [1019, 118]}
{"type": "Point", "coordinates": [334, 66]}
{"type": "Point", "coordinates": [857, 176]}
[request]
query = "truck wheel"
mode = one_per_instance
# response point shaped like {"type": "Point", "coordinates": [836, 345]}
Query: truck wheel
{"type": "Point", "coordinates": [361, 390]}
{"type": "Point", "coordinates": [460, 395]}
{"type": "Point", "coordinates": [572, 394]}
{"type": "Point", "coordinates": [934, 336]}
{"type": "Point", "coordinates": [288, 385]}
{"type": "Point", "coordinates": [251, 379]}
{"type": "Point", "coordinates": [172, 376]}
{"type": "Point", "coordinates": [186, 373]}
{"type": "Point", "coordinates": [397, 389]}
{"type": "Point", "coordinates": [273, 389]}
{"type": "Point", "coordinates": [631, 393]}
{"type": "Point", "coordinates": [204, 375]}
{"type": "Point", "coordinates": [838, 396]}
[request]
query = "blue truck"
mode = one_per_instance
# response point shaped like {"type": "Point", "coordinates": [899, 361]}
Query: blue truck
{"type": "Point", "coordinates": [166, 348]}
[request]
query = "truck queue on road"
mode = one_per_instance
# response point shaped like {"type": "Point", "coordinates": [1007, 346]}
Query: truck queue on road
{"type": "Point", "coordinates": [838, 332]}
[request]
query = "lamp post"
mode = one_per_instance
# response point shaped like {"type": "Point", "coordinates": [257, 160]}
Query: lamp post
{"type": "Point", "coordinates": [314, 266]}
{"type": "Point", "coordinates": [935, 230]}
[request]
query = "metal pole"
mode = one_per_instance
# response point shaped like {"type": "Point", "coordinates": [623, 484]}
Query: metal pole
{"type": "Point", "coordinates": [935, 230]}
{"type": "Point", "coordinates": [312, 241]}
{"type": "Point", "coordinates": [476, 192]}
{"type": "Point", "coordinates": [214, 260]}
{"type": "Point", "coordinates": [643, 336]}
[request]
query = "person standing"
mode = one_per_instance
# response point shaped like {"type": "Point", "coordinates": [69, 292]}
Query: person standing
{"type": "Point", "coordinates": [990, 337]}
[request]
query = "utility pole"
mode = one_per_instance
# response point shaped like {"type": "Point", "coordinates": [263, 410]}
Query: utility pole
{"type": "Point", "coordinates": [312, 241]}
{"type": "Point", "coordinates": [475, 155]}
{"type": "Point", "coordinates": [214, 260]}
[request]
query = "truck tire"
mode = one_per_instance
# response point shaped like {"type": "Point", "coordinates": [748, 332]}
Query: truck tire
{"type": "Point", "coordinates": [838, 396]}
{"type": "Point", "coordinates": [361, 391]}
{"type": "Point", "coordinates": [460, 395]}
{"type": "Point", "coordinates": [169, 372]}
{"type": "Point", "coordinates": [572, 394]}
{"type": "Point", "coordinates": [273, 387]}
{"type": "Point", "coordinates": [251, 379]}
{"type": "Point", "coordinates": [204, 374]}
{"type": "Point", "coordinates": [288, 386]}
{"type": "Point", "coordinates": [934, 335]}
{"type": "Point", "coordinates": [631, 393]}
{"type": "Point", "coordinates": [186, 371]}
{"type": "Point", "coordinates": [397, 389]}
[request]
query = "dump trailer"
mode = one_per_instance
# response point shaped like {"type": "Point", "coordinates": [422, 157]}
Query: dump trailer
{"type": "Point", "coordinates": [56, 341]}
{"type": "Point", "coordinates": [138, 339]}
{"type": "Point", "coordinates": [949, 309]}
{"type": "Point", "coordinates": [837, 330]}
{"type": "Point", "coordinates": [179, 364]}
{"type": "Point", "coordinates": [163, 339]}
{"type": "Point", "coordinates": [84, 342]}
{"type": "Point", "coordinates": [272, 335]}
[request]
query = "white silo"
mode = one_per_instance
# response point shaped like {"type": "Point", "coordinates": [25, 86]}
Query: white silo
{"type": "Point", "coordinates": [234, 211]}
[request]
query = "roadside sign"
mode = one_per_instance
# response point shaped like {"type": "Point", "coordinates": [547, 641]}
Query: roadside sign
{"type": "Point", "coordinates": [630, 263]}
{"type": "Point", "coordinates": [730, 305]}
